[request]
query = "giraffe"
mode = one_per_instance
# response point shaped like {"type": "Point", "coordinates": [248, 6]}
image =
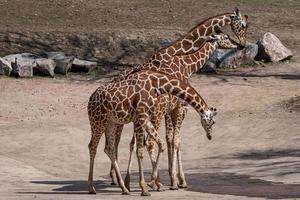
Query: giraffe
{"type": "Point", "coordinates": [181, 67]}
{"type": "Point", "coordinates": [188, 44]}
{"type": "Point", "coordinates": [133, 100]}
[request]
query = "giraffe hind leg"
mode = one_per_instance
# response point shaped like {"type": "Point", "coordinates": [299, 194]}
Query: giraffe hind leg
{"type": "Point", "coordinates": [117, 131]}
{"type": "Point", "coordinates": [97, 132]}
{"type": "Point", "coordinates": [111, 136]}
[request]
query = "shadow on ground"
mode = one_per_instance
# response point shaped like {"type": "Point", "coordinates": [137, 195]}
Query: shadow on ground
{"type": "Point", "coordinates": [75, 187]}
{"type": "Point", "coordinates": [213, 183]}
{"type": "Point", "coordinates": [240, 185]}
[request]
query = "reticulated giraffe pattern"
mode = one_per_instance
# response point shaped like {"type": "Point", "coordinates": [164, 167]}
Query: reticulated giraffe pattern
{"type": "Point", "coordinates": [192, 41]}
{"type": "Point", "coordinates": [134, 100]}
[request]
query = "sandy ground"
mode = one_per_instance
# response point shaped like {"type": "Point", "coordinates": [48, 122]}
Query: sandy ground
{"type": "Point", "coordinates": [255, 151]}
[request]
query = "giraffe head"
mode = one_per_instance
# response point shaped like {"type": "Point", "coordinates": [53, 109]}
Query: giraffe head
{"type": "Point", "coordinates": [223, 41]}
{"type": "Point", "coordinates": [207, 121]}
{"type": "Point", "coordinates": [239, 26]}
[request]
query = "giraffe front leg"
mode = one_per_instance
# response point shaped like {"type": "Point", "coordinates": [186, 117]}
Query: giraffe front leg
{"type": "Point", "coordinates": [139, 133]}
{"type": "Point", "coordinates": [150, 144]}
{"type": "Point", "coordinates": [169, 139]}
{"type": "Point", "coordinates": [181, 178]}
{"type": "Point", "coordinates": [127, 178]}
{"type": "Point", "coordinates": [153, 134]}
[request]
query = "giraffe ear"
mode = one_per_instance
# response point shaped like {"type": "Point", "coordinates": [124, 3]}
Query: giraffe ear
{"type": "Point", "coordinates": [237, 13]}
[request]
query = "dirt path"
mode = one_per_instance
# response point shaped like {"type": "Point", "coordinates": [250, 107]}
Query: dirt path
{"type": "Point", "coordinates": [255, 151]}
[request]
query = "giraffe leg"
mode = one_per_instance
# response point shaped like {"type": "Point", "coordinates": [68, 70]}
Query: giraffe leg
{"type": "Point", "coordinates": [111, 151]}
{"type": "Point", "coordinates": [151, 150]}
{"type": "Point", "coordinates": [127, 178]}
{"type": "Point", "coordinates": [177, 119]}
{"type": "Point", "coordinates": [177, 141]}
{"type": "Point", "coordinates": [170, 145]}
{"type": "Point", "coordinates": [140, 137]}
{"type": "Point", "coordinates": [161, 147]}
{"type": "Point", "coordinates": [118, 131]}
{"type": "Point", "coordinates": [97, 132]}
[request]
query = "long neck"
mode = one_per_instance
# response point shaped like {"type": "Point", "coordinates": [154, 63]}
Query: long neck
{"type": "Point", "coordinates": [195, 61]}
{"type": "Point", "coordinates": [181, 89]}
{"type": "Point", "coordinates": [194, 38]}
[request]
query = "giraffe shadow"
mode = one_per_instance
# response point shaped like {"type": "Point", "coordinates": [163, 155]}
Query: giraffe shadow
{"type": "Point", "coordinates": [233, 184]}
{"type": "Point", "coordinates": [76, 187]}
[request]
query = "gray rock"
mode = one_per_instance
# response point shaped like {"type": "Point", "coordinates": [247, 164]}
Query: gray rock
{"type": "Point", "coordinates": [22, 64]}
{"type": "Point", "coordinates": [22, 68]}
{"type": "Point", "coordinates": [44, 66]}
{"type": "Point", "coordinates": [5, 67]}
{"type": "Point", "coordinates": [82, 65]}
{"type": "Point", "coordinates": [271, 49]}
{"type": "Point", "coordinates": [233, 58]}
{"type": "Point", "coordinates": [63, 62]}
{"type": "Point", "coordinates": [209, 67]}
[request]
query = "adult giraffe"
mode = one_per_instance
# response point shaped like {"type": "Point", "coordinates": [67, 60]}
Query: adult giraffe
{"type": "Point", "coordinates": [189, 43]}
{"type": "Point", "coordinates": [181, 67]}
{"type": "Point", "coordinates": [134, 100]}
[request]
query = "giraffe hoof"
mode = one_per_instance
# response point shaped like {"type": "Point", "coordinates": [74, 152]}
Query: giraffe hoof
{"type": "Point", "coordinates": [161, 189]}
{"type": "Point", "coordinates": [92, 191]}
{"type": "Point", "coordinates": [182, 185]}
{"type": "Point", "coordinates": [152, 185]}
{"type": "Point", "coordinates": [126, 193]}
{"type": "Point", "coordinates": [113, 183]}
{"type": "Point", "coordinates": [145, 193]}
{"type": "Point", "coordinates": [174, 188]}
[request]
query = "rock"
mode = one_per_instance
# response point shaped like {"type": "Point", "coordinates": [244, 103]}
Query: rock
{"type": "Point", "coordinates": [232, 58]}
{"type": "Point", "coordinates": [5, 67]}
{"type": "Point", "coordinates": [22, 64]}
{"type": "Point", "coordinates": [209, 67]}
{"type": "Point", "coordinates": [44, 66]}
{"type": "Point", "coordinates": [271, 49]}
{"type": "Point", "coordinates": [22, 68]}
{"type": "Point", "coordinates": [82, 65]}
{"type": "Point", "coordinates": [63, 62]}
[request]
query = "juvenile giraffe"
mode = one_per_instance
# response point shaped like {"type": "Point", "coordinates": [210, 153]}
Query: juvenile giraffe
{"type": "Point", "coordinates": [181, 67]}
{"type": "Point", "coordinates": [188, 44]}
{"type": "Point", "coordinates": [134, 100]}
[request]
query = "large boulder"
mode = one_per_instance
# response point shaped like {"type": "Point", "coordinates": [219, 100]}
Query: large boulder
{"type": "Point", "coordinates": [82, 65]}
{"type": "Point", "coordinates": [22, 64]}
{"type": "Point", "coordinates": [271, 49]}
{"type": "Point", "coordinates": [63, 62]}
{"type": "Point", "coordinates": [231, 58]}
{"type": "Point", "coordinates": [5, 67]}
{"type": "Point", "coordinates": [44, 66]}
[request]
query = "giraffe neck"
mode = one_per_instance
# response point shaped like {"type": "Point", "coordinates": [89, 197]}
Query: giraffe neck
{"type": "Point", "coordinates": [193, 39]}
{"type": "Point", "coordinates": [198, 59]}
{"type": "Point", "coordinates": [181, 89]}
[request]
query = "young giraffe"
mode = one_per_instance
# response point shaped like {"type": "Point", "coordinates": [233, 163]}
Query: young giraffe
{"type": "Point", "coordinates": [188, 44]}
{"type": "Point", "coordinates": [181, 67]}
{"type": "Point", "coordinates": [134, 100]}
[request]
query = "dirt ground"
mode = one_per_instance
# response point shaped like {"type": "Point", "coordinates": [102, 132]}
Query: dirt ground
{"type": "Point", "coordinates": [255, 152]}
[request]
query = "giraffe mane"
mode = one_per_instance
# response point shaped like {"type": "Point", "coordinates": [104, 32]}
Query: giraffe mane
{"type": "Point", "coordinates": [191, 30]}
